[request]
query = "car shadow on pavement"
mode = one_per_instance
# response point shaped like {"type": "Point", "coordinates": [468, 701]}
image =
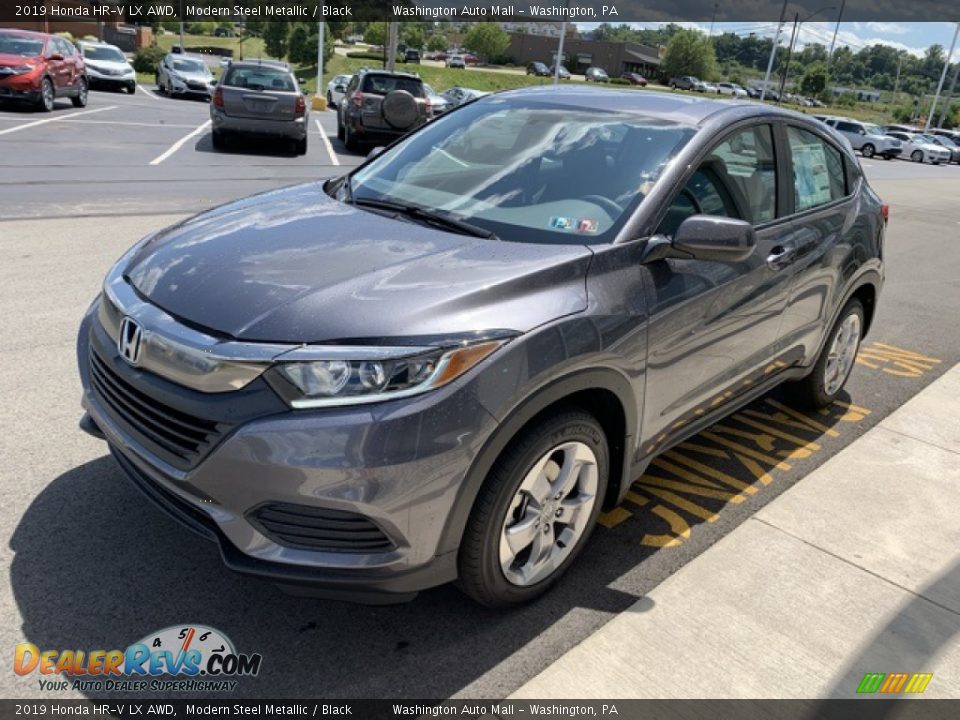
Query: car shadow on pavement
{"type": "Point", "coordinates": [238, 145]}
{"type": "Point", "coordinates": [96, 566]}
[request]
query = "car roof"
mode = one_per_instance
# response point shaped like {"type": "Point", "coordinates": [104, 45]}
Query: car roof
{"type": "Point", "coordinates": [276, 64]}
{"type": "Point", "coordinates": [387, 73]}
{"type": "Point", "coordinates": [683, 109]}
{"type": "Point", "coordinates": [24, 33]}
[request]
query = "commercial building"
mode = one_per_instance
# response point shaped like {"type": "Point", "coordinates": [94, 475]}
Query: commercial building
{"type": "Point", "coordinates": [579, 54]}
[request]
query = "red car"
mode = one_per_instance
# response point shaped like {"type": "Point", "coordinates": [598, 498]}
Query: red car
{"type": "Point", "coordinates": [635, 79]}
{"type": "Point", "coordinates": [38, 68]}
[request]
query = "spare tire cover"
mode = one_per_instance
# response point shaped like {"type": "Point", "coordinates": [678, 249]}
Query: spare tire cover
{"type": "Point", "coordinates": [399, 109]}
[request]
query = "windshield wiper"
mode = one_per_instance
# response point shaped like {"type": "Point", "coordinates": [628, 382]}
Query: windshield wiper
{"type": "Point", "coordinates": [416, 212]}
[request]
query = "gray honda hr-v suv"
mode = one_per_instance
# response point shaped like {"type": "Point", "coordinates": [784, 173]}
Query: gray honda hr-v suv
{"type": "Point", "coordinates": [443, 365]}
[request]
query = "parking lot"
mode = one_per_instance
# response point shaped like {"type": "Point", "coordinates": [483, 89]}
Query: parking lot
{"type": "Point", "coordinates": [92, 565]}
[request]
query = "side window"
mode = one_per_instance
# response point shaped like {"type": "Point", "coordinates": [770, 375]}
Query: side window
{"type": "Point", "coordinates": [818, 173]}
{"type": "Point", "coordinates": [737, 179]}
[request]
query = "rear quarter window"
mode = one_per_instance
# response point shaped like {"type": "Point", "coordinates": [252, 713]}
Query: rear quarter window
{"type": "Point", "coordinates": [819, 176]}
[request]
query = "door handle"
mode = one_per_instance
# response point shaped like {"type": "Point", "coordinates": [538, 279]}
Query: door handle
{"type": "Point", "coordinates": [781, 256]}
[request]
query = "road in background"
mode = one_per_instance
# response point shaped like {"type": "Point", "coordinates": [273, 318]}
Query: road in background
{"type": "Point", "coordinates": [90, 564]}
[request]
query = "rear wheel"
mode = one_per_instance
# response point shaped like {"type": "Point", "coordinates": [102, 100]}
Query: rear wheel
{"type": "Point", "coordinates": [917, 156]}
{"type": "Point", "coordinates": [350, 140]}
{"type": "Point", "coordinates": [45, 101]}
{"type": "Point", "coordinates": [339, 128]}
{"type": "Point", "coordinates": [535, 511]}
{"type": "Point", "coordinates": [301, 146]}
{"type": "Point", "coordinates": [830, 373]}
{"type": "Point", "coordinates": [80, 99]}
{"type": "Point", "coordinates": [868, 150]}
{"type": "Point", "coordinates": [218, 139]}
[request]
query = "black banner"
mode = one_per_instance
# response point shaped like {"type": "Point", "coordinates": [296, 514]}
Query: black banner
{"type": "Point", "coordinates": [581, 11]}
{"type": "Point", "coordinates": [141, 709]}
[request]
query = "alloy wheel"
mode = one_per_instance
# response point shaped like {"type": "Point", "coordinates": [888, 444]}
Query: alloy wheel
{"type": "Point", "coordinates": [843, 353]}
{"type": "Point", "coordinates": [549, 513]}
{"type": "Point", "coordinates": [46, 90]}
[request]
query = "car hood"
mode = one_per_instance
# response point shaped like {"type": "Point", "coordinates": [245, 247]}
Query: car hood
{"type": "Point", "coordinates": [12, 60]}
{"type": "Point", "coordinates": [296, 266]}
{"type": "Point", "coordinates": [107, 64]}
{"type": "Point", "coordinates": [199, 76]}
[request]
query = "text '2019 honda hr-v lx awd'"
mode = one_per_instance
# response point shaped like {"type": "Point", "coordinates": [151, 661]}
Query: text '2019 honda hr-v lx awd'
{"type": "Point", "coordinates": [443, 365]}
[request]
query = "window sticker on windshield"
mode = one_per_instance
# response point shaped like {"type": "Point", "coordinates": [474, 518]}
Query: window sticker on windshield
{"type": "Point", "coordinates": [580, 225]}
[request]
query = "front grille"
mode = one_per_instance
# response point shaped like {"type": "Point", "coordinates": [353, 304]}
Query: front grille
{"type": "Point", "coordinates": [193, 85]}
{"type": "Point", "coordinates": [313, 528]}
{"type": "Point", "coordinates": [175, 433]}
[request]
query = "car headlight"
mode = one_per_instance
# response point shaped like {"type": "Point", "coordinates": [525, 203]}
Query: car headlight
{"type": "Point", "coordinates": [372, 375]}
{"type": "Point", "coordinates": [22, 69]}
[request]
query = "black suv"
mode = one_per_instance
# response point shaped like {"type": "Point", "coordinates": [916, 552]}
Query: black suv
{"type": "Point", "coordinates": [411, 56]}
{"type": "Point", "coordinates": [380, 106]}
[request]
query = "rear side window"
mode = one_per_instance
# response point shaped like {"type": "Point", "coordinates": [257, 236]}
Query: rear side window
{"type": "Point", "coordinates": [818, 174]}
{"type": "Point", "coordinates": [382, 84]}
{"type": "Point", "coordinates": [259, 78]}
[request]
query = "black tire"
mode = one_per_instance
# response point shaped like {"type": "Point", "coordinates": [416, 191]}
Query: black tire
{"type": "Point", "coordinates": [329, 99]}
{"type": "Point", "coordinates": [339, 128]}
{"type": "Point", "coordinates": [480, 575]}
{"type": "Point", "coordinates": [868, 151]}
{"type": "Point", "coordinates": [917, 156]}
{"type": "Point", "coordinates": [300, 147]}
{"type": "Point", "coordinates": [218, 139]}
{"type": "Point", "coordinates": [132, 89]}
{"type": "Point", "coordinates": [810, 392]}
{"type": "Point", "coordinates": [350, 140]}
{"type": "Point", "coordinates": [47, 96]}
{"type": "Point", "coordinates": [80, 99]}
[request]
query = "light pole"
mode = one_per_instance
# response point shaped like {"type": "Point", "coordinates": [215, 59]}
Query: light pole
{"type": "Point", "coordinates": [773, 51]}
{"type": "Point", "coordinates": [319, 97]}
{"type": "Point", "coordinates": [559, 59]}
{"type": "Point", "coordinates": [943, 76]}
{"type": "Point", "coordinates": [796, 32]}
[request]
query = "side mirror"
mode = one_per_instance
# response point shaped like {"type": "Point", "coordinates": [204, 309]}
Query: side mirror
{"type": "Point", "coordinates": [340, 88]}
{"type": "Point", "coordinates": [711, 238]}
{"type": "Point", "coordinates": [375, 151]}
{"type": "Point", "coordinates": [55, 56]}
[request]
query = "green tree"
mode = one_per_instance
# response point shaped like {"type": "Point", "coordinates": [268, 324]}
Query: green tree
{"type": "Point", "coordinates": [375, 34]}
{"type": "Point", "coordinates": [275, 38]}
{"type": "Point", "coordinates": [487, 40]}
{"type": "Point", "coordinates": [437, 43]}
{"type": "Point", "coordinates": [413, 36]}
{"type": "Point", "coordinates": [300, 50]}
{"type": "Point", "coordinates": [689, 53]}
{"type": "Point", "coordinates": [814, 79]}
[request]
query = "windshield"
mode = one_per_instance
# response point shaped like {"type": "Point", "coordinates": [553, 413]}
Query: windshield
{"type": "Point", "coordinates": [189, 66]}
{"type": "Point", "coordinates": [528, 171]}
{"type": "Point", "coordinates": [873, 129]}
{"type": "Point", "coordinates": [92, 52]}
{"type": "Point", "coordinates": [946, 142]}
{"type": "Point", "coordinates": [20, 45]}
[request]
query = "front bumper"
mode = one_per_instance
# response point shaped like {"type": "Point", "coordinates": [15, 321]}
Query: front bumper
{"type": "Point", "coordinates": [97, 79]}
{"type": "Point", "coordinates": [295, 129]}
{"type": "Point", "coordinates": [20, 87]}
{"type": "Point", "coordinates": [398, 464]}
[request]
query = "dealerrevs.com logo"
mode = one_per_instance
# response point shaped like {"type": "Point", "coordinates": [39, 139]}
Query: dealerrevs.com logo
{"type": "Point", "coordinates": [188, 658]}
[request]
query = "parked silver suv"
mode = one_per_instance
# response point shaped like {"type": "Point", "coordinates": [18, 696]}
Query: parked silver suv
{"type": "Point", "coordinates": [869, 139]}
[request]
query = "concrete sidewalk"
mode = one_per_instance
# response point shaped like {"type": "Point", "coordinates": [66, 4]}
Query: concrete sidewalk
{"type": "Point", "coordinates": [854, 570]}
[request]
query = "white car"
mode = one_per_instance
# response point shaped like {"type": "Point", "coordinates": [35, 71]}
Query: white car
{"type": "Point", "coordinates": [456, 61]}
{"type": "Point", "coordinates": [726, 88]}
{"type": "Point", "coordinates": [107, 66]}
{"type": "Point", "coordinates": [336, 88]}
{"type": "Point", "coordinates": [921, 148]}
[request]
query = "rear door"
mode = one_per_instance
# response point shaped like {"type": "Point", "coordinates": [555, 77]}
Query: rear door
{"type": "Point", "coordinates": [259, 92]}
{"type": "Point", "coordinates": [822, 215]}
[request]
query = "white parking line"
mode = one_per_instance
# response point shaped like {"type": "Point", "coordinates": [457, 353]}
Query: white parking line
{"type": "Point", "coordinates": [57, 118]}
{"type": "Point", "coordinates": [179, 144]}
{"type": "Point", "coordinates": [326, 143]}
{"type": "Point", "coordinates": [150, 93]}
{"type": "Point", "coordinates": [131, 124]}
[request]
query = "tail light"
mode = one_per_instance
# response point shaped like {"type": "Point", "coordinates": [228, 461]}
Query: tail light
{"type": "Point", "coordinates": [218, 97]}
{"type": "Point", "coordinates": [358, 99]}
{"type": "Point", "coordinates": [885, 213]}
{"type": "Point", "coordinates": [301, 107]}
{"type": "Point", "coordinates": [429, 107]}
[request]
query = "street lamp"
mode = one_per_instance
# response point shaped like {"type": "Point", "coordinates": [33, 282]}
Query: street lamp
{"type": "Point", "coordinates": [319, 98]}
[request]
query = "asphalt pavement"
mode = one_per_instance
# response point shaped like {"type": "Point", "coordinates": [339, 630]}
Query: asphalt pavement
{"type": "Point", "coordinates": [90, 564]}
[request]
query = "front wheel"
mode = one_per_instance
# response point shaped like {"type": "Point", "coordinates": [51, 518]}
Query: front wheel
{"type": "Point", "coordinates": [917, 156]}
{"type": "Point", "coordinates": [868, 150]}
{"type": "Point", "coordinates": [46, 101]}
{"type": "Point", "coordinates": [535, 511]}
{"type": "Point", "coordinates": [833, 366]}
